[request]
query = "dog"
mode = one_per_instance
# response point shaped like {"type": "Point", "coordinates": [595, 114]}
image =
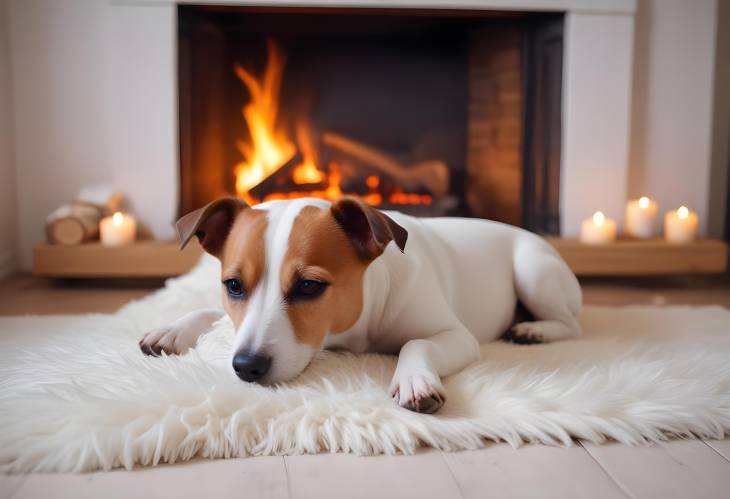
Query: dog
{"type": "Point", "coordinates": [301, 275]}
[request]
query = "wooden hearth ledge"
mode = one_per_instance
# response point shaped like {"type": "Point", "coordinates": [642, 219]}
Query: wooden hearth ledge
{"type": "Point", "coordinates": [164, 259]}
{"type": "Point", "coordinates": [643, 257]}
{"type": "Point", "coordinates": [141, 259]}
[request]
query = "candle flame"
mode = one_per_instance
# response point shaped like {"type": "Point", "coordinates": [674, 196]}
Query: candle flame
{"type": "Point", "coordinates": [683, 212]}
{"type": "Point", "coordinates": [643, 202]}
{"type": "Point", "coordinates": [599, 218]}
{"type": "Point", "coordinates": [117, 218]}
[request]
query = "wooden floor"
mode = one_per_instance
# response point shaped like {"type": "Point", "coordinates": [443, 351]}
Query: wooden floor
{"type": "Point", "coordinates": [677, 469]}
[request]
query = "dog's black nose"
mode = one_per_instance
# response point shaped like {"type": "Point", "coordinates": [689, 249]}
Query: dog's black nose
{"type": "Point", "coordinates": [251, 367]}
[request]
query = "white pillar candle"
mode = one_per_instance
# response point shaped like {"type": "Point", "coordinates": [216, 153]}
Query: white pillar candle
{"type": "Point", "coordinates": [680, 226]}
{"type": "Point", "coordinates": [117, 230]}
{"type": "Point", "coordinates": [598, 229]}
{"type": "Point", "coordinates": [641, 217]}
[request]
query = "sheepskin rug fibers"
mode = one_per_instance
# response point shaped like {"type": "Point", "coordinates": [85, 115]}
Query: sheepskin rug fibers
{"type": "Point", "coordinates": [76, 393]}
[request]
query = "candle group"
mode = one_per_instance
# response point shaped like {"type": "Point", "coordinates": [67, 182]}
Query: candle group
{"type": "Point", "coordinates": [680, 226]}
{"type": "Point", "coordinates": [117, 230]}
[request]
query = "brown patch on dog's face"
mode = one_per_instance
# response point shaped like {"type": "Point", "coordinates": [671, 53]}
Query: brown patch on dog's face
{"type": "Point", "coordinates": [320, 251]}
{"type": "Point", "coordinates": [243, 258]}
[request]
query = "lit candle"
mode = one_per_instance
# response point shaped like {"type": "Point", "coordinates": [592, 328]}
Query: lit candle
{"type": "Point", "coordinates": [641, 217]}
{"type": "Point", "coordinates": [680, 226]}
{"type": "Point", "coordinates": [117, 230]}
{"type": "Point", "coordinates": [598, 229]}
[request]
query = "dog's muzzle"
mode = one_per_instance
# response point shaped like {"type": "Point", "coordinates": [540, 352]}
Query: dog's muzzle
{"type": "Point", "coordinates": [250, 366]}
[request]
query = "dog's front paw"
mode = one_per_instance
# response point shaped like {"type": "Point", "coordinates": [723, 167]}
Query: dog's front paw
{"type": "Point", "coordinates": [524, 333]}
{"type": "Point", "coordinates": [164, 339]}
{"type": "Point", "coordinates": [418, 392]}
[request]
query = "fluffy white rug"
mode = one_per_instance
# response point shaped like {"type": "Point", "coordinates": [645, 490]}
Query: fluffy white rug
{"type": "Point", "coordinates": [86, 398]}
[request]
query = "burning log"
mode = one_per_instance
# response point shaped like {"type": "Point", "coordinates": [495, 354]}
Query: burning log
{"type": "Point", "coordinates": [433, 175]}
{"type": "Point", "coordinates": [280, 180]}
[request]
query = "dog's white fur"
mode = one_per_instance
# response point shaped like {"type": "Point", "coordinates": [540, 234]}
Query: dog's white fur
{"type": "Point", "coordinates": [455, 286]}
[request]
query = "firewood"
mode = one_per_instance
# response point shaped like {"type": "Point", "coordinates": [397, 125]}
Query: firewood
{"type": "Point", "coordinates": [73, 224]}
{"type": "Point", "coordinates": [279, 181]}
{"type": "Point", "coordinates": [433, 174]}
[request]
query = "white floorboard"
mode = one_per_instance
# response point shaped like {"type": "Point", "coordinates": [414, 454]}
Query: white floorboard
{"type": "Point", "coordinates": [678, 469]}
{"type": "Point", "coordinates": [531, 471]}
{"type": "Point", "coordinates": [424, 475]}
{"type": "Point", "coordinates": [722, 447]}
{"type": "Point", "coordinates": [261, 477]}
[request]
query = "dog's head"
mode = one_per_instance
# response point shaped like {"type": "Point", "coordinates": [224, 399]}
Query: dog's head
{"type": "Point", "coordinates": [292, 273]}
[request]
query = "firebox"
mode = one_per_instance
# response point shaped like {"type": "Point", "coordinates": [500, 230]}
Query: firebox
{"type": "Point", "coordinates": [427, 112]}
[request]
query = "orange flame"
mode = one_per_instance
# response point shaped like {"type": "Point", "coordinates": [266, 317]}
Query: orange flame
{"type": "Point", "coordinates": [269, 148]}
{"type": "Point", "coordinates": [306, 172]}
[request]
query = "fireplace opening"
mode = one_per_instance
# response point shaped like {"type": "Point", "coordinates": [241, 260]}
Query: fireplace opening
{"type": "Point", "coordinates": [428, 112]}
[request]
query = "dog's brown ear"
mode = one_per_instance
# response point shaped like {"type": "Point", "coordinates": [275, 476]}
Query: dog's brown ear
{"type": "Point", "coordinates": [369, 229]}
{"type": "Point", "coordinates": [210, 224]}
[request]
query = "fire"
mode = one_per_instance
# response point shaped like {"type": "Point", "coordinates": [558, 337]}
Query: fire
{"type": "Point", "coordinates": [269, 148]}
{"type": "Point", "coordinates": [307, 172]}
{"type": "Point", "coordinates": [331, 191]}
{"type": "Point", "coordinates": [373, 181]}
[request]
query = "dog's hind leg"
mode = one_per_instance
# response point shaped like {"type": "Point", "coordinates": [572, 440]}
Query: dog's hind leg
{"type": "Point", "coordinates": [549, 290]}
{"type": "Point", "coordinates": [181, 335]}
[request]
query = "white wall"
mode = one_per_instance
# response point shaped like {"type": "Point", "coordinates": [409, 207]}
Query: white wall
{"type": "Point", "coordinates": [673, 102]}
{"type": "Point", "coordinates": [61, 106]}
{"type": "Point", "coordinates": [8, 201]}
{"type": "Point", "coordinates": [720, 162]}
{"type": "Point", "coordinates": [142, 102]}
{"type": "Point", "coordinates": [95, 102]}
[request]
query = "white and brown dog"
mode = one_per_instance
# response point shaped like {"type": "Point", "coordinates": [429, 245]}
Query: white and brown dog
{"type": "Point", "coordinates": [302, 275]}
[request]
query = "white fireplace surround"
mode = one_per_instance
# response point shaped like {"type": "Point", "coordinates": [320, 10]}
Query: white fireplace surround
{"type": "Point", "coordinates": [596, 97]}
{"type": "Point", "coordinates": [119, 98]}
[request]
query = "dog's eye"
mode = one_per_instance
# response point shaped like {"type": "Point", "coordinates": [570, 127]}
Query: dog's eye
{"type": "Point", "coordinates": [306, 289]}
{"type": "Point", "coordinates": [234, 288]}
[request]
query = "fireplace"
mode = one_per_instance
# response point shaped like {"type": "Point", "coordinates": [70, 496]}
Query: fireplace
{"type": "Point", "coordinates": [428, 112]}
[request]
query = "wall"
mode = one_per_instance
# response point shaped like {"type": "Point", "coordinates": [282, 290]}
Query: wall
{"type": "Point", "coordinates": [673, 103]}
{"type": "Point", "coordinates": [95, 101]}
{"type": "Point", "coordinates": [93, 104]}
{"type": "Point", "coordinates": [8, 200]}
{"type": "Point", "coordinates": [142, 102]}
{"type": "Point", "coordinates": [60, 103]}
{"type": "Point", "coordinates": [720, 160]}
